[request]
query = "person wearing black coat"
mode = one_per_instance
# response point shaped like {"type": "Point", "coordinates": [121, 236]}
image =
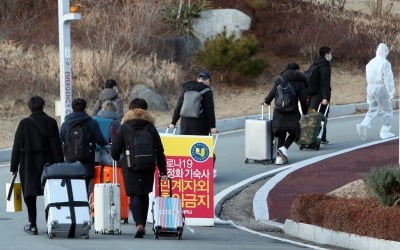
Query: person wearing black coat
{"type": "Point", "coordinates": [138, 184]}
{"type": "Point", "coordinates": [95, 135]}
{"type": "Point", "coordinates": [323, 95]}
{"type": "Point", "coordinates": [205, 124]}
{"type": "Point", "coordinates": [36, 143]}
{"type": "Point", "coordinates": [285, 125]}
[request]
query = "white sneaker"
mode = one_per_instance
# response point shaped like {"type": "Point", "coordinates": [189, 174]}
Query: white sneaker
{"type": "Point", "coordinates": [279, 160]}
{"type": "Point", "coordinates": [282, 152]}
{"type": "Point", "coordinates": [385, 132]}
{"type": "Point", "coordinates": [362, 132]}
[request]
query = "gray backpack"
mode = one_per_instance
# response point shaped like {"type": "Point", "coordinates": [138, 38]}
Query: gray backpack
{"type": "Point", "coordinates": [191, 106]}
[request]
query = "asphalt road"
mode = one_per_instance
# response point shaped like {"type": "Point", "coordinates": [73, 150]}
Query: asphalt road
{"type": "Point", "coordinates": [231, 170]}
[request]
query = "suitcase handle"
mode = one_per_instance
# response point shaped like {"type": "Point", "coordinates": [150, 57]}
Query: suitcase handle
{"type": "Point", "coordinates": [115, 172]}
{"type": "Point", "coordinates": [326, 109]}
{"type": "Point", "coordinates": [262, 111]}
{"type": "Point", "coordinates": [173, 131]}
{"type": "Point", "coordinates": [169, 180]}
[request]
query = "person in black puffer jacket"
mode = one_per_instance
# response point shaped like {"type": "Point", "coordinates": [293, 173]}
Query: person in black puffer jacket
{"type": "Point", "coordinates": [138, 183]}
{"type": "Point", "coordinates": [285, 125]}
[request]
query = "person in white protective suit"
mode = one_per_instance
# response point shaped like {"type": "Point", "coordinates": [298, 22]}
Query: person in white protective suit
{"type": "Point", "coordinates": [380, 92]}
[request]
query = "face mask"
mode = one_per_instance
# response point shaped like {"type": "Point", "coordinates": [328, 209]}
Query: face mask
{"type": "Point", "coordinates": [329, 58]}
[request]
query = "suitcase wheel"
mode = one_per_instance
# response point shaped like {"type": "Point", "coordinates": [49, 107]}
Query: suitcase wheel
{"type": "Point", "coordinates": [157, 233]}
{"type": "Point", "coordinates": [180, 231]}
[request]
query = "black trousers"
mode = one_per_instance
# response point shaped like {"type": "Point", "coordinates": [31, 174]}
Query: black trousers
{"type": "Point", "coordinates": [30, 202]}
{"type": "Point", "coordinates": [285, 141]}
{"type": "Point", "coordinates": [139, 206]}
{"type": "Point", "coordinates": [286, 137]}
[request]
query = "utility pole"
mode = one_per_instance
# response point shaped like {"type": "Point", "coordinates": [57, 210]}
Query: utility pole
{"type": "Point", "coordinates": [65, 16]}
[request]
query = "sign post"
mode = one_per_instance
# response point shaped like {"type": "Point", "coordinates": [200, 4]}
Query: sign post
{"type": "Point", "coordinates": [190, 164]}
{"type": "Point", "coordinates": [64, 30]}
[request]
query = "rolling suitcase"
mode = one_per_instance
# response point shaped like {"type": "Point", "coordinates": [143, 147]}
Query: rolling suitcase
{"type": "Point", "coordinates": [168, 218]}
{"type": "Point", "coordinates": [67, 208]}
{"type": "Point", "coordinates": [104, 174]}
{"type": "Point", "coordinates": [311, 129]}
{"type": "Point", "coordinates": [107, 207]}
{"type": "Point", "coordinates": [259, 141]}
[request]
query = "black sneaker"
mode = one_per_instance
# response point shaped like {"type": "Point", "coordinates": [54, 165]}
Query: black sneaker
{"type": "Point", "coordinates": [324, 141]}
{"type": "Point", "coordinates": [139, 233]}
{"type": "Point", "coordinates": [28, 228]}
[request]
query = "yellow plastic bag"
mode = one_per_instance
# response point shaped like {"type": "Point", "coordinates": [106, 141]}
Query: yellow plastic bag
{"type": "Point", "coordinates": [14, 196]}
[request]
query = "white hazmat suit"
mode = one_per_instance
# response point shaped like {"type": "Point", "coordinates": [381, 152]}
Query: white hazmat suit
{"type": "Point", "coordinates": [380, 92]}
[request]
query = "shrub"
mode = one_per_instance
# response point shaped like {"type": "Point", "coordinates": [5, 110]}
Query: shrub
{"type": "Point", "coordinates": [229, 55]}
{"type": "Point", "coordinates": [361, 217]}
{"type": "Point", "coordinates": [183, 15]}
{"type": "Point", "coordinates": [385, 182]}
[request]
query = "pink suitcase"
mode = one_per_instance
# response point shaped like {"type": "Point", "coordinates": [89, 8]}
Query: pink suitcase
{"type": "Point", "coordinates": [168, 218]}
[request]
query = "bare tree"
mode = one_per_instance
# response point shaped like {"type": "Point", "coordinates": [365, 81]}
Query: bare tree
{"type": "Point", "coordinates": [118, 29]}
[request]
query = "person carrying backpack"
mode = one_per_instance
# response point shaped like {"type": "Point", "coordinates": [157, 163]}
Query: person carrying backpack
{"type": "Point", "coordinates": [109, 124]}
{"type": "Point", "coordinates": [110, 92]}
{"type": "Point", "coordinates": [288, 90]}
{"type": "Point", "coordinates": [141, 145]}
{"type": "Point", "coordinates": [197, 112]}
{"type": "Point", "coordinates": [79, 134]}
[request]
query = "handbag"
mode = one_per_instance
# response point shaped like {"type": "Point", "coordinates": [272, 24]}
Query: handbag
{"type": "Point", "coordinates": [14, 196]}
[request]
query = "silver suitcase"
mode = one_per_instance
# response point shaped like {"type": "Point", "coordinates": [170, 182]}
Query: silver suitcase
{"type": "Point", "coordinates": [67, 208]}
{"type": "Point", "coordinates": [107, 206]}
{"type": "Point", "coordinates": [259, 141]}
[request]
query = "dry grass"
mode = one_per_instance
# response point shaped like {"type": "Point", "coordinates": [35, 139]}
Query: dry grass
{"type": "Point", "coordinates": [35, 69]}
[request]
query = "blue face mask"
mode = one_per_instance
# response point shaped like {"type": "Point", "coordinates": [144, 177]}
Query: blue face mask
{"type": "Point", "coordinates": [329, 58]}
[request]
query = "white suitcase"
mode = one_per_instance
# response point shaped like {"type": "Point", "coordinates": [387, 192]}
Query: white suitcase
{"type": "Point", "coordinates": [107, 208]}
{"type": "Point", "coordinates": [259, 141]}
{"type": "Point", "coordinates": [67, 208]}
{"type": "Point", "coordinates": [107, 203]}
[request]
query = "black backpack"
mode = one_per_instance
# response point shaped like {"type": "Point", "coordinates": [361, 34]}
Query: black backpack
{"type": "Point", "coordinates": [77, 145]}
{"type": "Point", "coordinates": [285, 96]}
{"type": "Point", "coordinates": [312, 77]}
{"type": "Point", "coordinates": [140, 149]}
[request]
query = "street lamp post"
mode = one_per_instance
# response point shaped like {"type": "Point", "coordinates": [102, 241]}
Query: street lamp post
{"type": "Point", "coordinates": [64, 30]}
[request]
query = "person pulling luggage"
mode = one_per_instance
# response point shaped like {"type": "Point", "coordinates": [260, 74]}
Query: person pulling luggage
{"type": "Point", "coordinates": [288, 90]}
{"type": "Point", "coordinates": [143, 151]}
